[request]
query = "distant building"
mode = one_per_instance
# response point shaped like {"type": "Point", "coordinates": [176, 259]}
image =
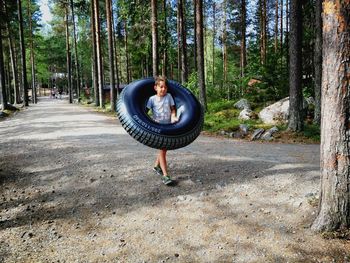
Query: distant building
{"type": "Point", "coordinates": [107, 91]}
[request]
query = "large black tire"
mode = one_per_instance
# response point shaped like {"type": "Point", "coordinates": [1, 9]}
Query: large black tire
{"type": "Point", "coordinates": [131, 111]}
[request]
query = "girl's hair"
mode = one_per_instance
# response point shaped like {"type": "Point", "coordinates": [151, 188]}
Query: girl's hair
{"type": "Point", "coordinates": [159, 79]}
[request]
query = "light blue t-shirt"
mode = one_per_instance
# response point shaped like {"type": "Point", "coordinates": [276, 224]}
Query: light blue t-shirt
{"type": "Point", "coordinates": [160, 106]}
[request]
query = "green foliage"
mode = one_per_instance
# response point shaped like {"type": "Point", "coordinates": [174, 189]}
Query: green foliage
{"type": "Point", "coordinates": [221, 105]}
{"type": "Point", "coordinates": [192, 84]}
{"type": "Point", "coordinates": [312, 131]}
{"type": "Point", "coordinates": [222, 115]}
{"type": "Point", "coordinates": [273, 75]}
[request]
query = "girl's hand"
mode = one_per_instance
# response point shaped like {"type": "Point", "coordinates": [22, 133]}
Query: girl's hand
{"type": "Point", "coordinates": [174, 119]}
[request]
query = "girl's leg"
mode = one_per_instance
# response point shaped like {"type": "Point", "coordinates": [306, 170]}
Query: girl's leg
{"type": "Point", "coordinates": [161, 160]}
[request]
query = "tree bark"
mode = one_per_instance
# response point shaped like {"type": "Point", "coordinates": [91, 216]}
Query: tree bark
{"type": "Point", "coordinates": [195, 37]}
{"type": "Point", "coordinates": [155, 60]}
{"type": "Point", "coordinates": [224, 50]}
{"type": "Point", "coordinates": [276, 26]}
{"type": "Point", "coordinates": [32, 60]}
{"type": "Point", "coordinates": [200, 53]}
{"type": "Point", "coordinates": [99, 52]}
{"type": "Point", "coordinates": [318, 61]}
{"type": "Point", "coordinates": [117, 75]}
{"type": "Point", "coordinates": [16, 96]}
{"type": "Point", "coordinates": [296, 118]}
{"type": "Point", "coordinates": [243, 59]}
{"type": "Point", "coordinates": [3, 95]}
{"type": "Point", "coordinates": [281, 29]}
{"type": "Point", "coordinates": [77, 75]}
{"type": "Point", "coordinates": [334, 206]}
{"type": "Point", "coordinates": [165, 42]}
{"type": "Point", "coordinates": [183, 44]}
{"type": "Point", "coordinates": [68, 55]}
{"type": "Point", "coordinates": [110, 53]}
{"type": "Point", "coordinates": [128, 77]}
{"type": "Point", "coordinates": [24, 81]}
{"type": "Point", "coordinates": [287, 31]}
{"type": "Point", "coordinates": [213, 51]}
{"type": "Point", "coordinates": [94, 55]}
{"type": "Point", "coordinates": [263, 32]}
{"type": "Point", "coordinates": [179, 64]}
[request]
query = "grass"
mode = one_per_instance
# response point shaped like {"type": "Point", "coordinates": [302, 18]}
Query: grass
{"type": "Point", "coordinates": [223, 116]}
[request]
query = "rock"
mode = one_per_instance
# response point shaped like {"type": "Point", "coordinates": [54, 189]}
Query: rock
{"type": "Point", "coordinates": [238, 135]}
{"type": "Point", "coordinates": [245, 114]}
{"type": "Point", "coordinates": [268, 134]}
{"type": "Point", "coordinates": [276, 113]}
{"type": "Point", "coordinates": [222, 133]}
{"type": "Point", "coordinates": [242, 104]}
{"type": "Point", "coordinates": [181, 198]}
{"type": "Point", "coordinates": [257, 134]}
{"type": "Point", "coordinates": [244, 128]}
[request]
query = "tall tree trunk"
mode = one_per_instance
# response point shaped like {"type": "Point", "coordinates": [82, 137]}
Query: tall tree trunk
{"type": "Point", "coordinates": [99, 52]}
{"type": "Point", "coordinates": [195, 37]}
{"type": "Point", "coordinates": [77, 74]}
{"type": "Point", "coordinates": [318, 61]}
{"type": "Point", "coordinates": [94, 55]}
{"type": "Point", "coordinates": [69, 63]}
{"type": "Point", "coordinates": [224, 49]}
{"type": "Point", "coordinates": [24, 81]}
{"type": "Point", "coordinates": [128, 77]}
{"type": "Point", "coordinates": [281, 28]}
{"type": "Point", "coordinates": [263, 32]}
{"type": "Point", "coordinates": [117, 75]}
{"type": "Point", "coordinates": [16, 94]}
{"type": "Point", "coordinates": [243, 60]}
{"type": "Point", "coordinates": [165, 42]}
{"type": "Point", "coordinates": [178, 28]}
{"type": "Point", "coordinates": [110, 53]}
{"type": "Point", "coordinates": [200, 53]}
{"type": "Point", "coordinates": [182, 24]}
{"type": "Point", "coordinates": [32, 63]}
{"type": "Point", "coordinates": [213, 51]}
{"type": "Point", "coordinates": [287, 31]}
{"type": "Point", "coordinates": [155, 60]}
{"type": "Point", "coordinates": [296, 120]}
{"type": "Point", "coordinates": [276, 26]}
{"type": "Point", "coordinates": [334, 206]}
{"type": "Point", "coordinates": [3, 95]}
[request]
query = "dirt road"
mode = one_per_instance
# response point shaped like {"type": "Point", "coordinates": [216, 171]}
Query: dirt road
{"type": "Point", "coordinates": [74, 187]}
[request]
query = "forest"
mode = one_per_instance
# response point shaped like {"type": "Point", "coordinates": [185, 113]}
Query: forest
{"type": "Point", "coordinates": [242, 41]}
{"type": "Point", "coordinates": [215, 48]}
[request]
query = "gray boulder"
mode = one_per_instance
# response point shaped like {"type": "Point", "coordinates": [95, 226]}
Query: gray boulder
{"type": "Point", "coordinates": [244, 128]}
{"type": "Point", "coordinates": [268, 135]}
{"type": "Point", "coordinates": [257, 134]}
{"type": "Point", "coordinates": [245, 114]}
{"type": "Point", "coordinates": [242, 104]}
{"type": "Point", "coordinates": [276, 113]}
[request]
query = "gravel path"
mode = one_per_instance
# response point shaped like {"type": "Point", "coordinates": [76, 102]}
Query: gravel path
{"type": "Point", "coordinates": [74, 187]}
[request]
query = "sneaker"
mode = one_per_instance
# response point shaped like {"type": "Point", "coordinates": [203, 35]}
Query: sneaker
{"type": "Point", "coordinates": [167, 180]}
{"type": "Point", "coordinates": [158, 170]}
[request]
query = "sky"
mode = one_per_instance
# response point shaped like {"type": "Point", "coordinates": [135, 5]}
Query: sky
{"type": "Point", "coordinates": [46, 14]}
{"type": "Point", "coordinates": [44, 8]}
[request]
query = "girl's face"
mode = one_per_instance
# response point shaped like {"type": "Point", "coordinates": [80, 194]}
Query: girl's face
{"type": "Point", "coordinates": [161, 89]}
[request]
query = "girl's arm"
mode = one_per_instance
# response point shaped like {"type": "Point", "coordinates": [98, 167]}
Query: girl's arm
{"type": "Point", "coordinates": [173, 115]}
